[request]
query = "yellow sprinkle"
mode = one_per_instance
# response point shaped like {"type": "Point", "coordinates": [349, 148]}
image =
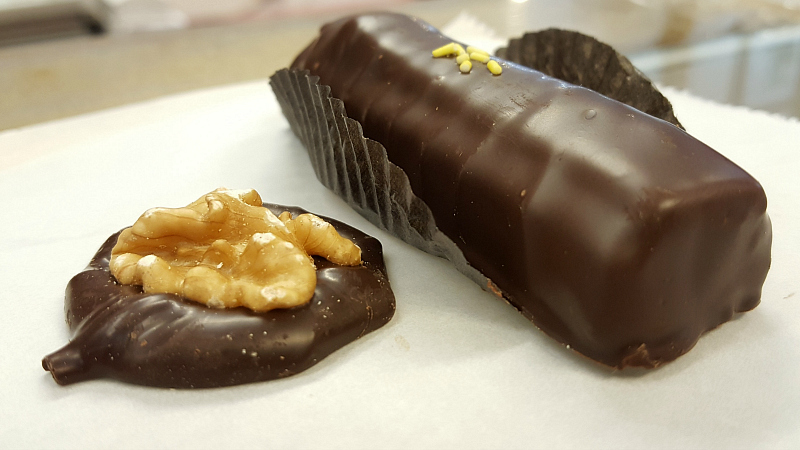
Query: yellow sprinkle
{"type": "Point", "coordinates": [465, 67]}
{"type": "Point", "coordinates": [471, 49]}
{"type": "Point", "coordinates": [484, 58]}
{"type": "Point", "coordinates": [445, 50]}
{"type": "Point", "coordinates": [459, 49]}
{"type": "Point", "coordinates": [494, 67]}
{"type": "Point", "coordinates": [461, 58]}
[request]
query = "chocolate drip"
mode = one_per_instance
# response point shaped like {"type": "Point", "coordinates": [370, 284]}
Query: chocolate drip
{"type": "Point", "coordinates": [166, 341]}
{"type": "Point", "coordinates": [614, 232]}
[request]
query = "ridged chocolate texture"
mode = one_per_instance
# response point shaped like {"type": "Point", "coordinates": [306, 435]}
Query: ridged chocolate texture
{"type": "Point", "coordinates": [166, 341]}
{"type": "Point", "coordinates": [613, 231]}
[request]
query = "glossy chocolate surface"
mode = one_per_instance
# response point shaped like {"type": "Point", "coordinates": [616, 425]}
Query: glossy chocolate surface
{"type": "Point", "coordinates": [615, 232]}
{"type": "Point", "coordinates": [166, 341]}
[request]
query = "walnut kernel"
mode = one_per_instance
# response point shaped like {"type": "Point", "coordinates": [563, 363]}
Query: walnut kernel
{"type": "Point", "coordinates": [227, 250]}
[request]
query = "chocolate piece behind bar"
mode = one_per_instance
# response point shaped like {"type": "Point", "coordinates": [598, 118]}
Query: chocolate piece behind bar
{"type": "Point", "coordinates": [166, 341]}
{"type": "Point", "coordinates": [614, 232]}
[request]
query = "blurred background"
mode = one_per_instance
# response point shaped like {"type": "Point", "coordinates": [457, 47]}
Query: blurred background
{"type": "Point", "coordinates": [65, 57]}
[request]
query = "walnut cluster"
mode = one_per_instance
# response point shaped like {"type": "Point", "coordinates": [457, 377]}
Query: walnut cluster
{"type": "Point", "coordinates": [226, 250]}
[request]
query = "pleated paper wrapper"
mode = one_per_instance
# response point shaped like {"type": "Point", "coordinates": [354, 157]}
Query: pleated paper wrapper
{"type": "Point", "coordinates": [584, 61]}
{"type": "Point", "coordinates": [358, 169]}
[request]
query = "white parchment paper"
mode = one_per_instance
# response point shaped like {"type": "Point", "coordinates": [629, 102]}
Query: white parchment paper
{"type": "Point", "coordinates": [456, 368]}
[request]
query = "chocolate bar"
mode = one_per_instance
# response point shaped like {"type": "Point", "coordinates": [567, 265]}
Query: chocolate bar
{"type": "Point", "coordinates": [616, 233]}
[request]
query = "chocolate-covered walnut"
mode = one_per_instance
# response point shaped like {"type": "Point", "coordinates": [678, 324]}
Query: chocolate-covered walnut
{"type": "Point", "coordinates": [165, 340]}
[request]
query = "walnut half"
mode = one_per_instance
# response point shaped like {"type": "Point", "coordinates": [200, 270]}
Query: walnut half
{"type": "Point", "coordinates": [227, 250]}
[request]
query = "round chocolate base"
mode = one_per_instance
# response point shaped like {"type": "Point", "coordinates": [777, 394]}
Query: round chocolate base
{"type": "Point", "coordinates": [166, 341]}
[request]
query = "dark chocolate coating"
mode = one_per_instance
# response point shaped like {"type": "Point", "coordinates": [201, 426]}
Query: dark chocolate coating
{"type": "Point", "coordinates": [614, 232]}
{"type": "Point", "coordinates": [166, 341]}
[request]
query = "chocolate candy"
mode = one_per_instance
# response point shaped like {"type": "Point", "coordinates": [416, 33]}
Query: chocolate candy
{"type": "Point", "coordinates": [166, 341]}
{"type": "Point", "coordinates": [616, 233]}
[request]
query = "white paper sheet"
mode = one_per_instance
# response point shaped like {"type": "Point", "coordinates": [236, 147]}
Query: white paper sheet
{"type": "Point", "coordinates": [455, 368]}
